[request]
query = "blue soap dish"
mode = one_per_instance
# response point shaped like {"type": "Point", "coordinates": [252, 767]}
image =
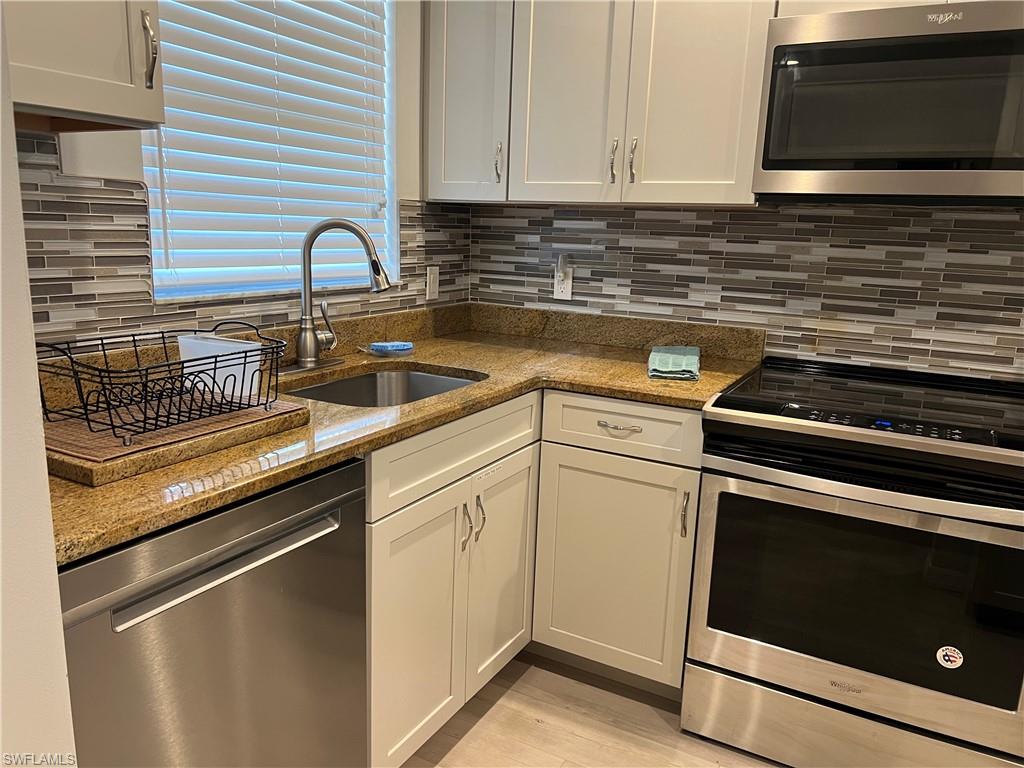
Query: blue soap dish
{"type": "Point", "coordinates": [390, 348]}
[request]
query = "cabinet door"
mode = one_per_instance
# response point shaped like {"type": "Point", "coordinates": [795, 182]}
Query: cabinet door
{"type": "Point", "coordinates": [802, 7]}
{"type": "Point", "coordinates": [469, 63]}
{"type": "Point", "coordinates": [694, 95]}
{"type": "Point", "coordinates": [614, 555]}
{"type": "Point", "coordinates": [570, 72]}
{"type": "Point", "coordinates": [501, 565]}
{"type": "Point", "coordinates": [417, 621]}
{"type": "Point", "coordinates": [85, 57]}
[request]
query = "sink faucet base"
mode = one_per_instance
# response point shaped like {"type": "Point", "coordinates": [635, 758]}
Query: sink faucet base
{"type": "Point", "coordinates": [307, 346]}
{"type": "Point", "coordinates": [311, 341]}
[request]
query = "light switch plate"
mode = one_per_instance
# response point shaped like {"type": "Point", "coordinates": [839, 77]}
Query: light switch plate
{"type": "Point", "coordinates": [433, 276]}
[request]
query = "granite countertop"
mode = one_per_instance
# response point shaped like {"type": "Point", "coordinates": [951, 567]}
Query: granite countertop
{"type": "Point", "coordinates": [88, 520]}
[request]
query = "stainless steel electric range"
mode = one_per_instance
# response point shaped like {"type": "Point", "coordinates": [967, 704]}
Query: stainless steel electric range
{"type": "Point", "coordinates": [858, 591]}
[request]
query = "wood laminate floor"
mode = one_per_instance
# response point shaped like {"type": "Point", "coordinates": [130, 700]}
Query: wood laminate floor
{"type": "Point", "coordinates": [542, 714]}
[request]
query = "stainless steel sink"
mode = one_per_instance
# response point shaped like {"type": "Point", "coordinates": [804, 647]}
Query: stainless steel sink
{"type": "Point", "coordinates": [383, 388]}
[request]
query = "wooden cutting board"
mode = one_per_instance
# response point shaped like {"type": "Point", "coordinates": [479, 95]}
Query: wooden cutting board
{"type": "Point", "coordinates": [76, 453]}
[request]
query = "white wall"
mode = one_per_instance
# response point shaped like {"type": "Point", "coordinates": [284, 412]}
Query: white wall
{"type": "Point", "coordinates": [35, 709]}
{"type": "Point", "coordinates": [408, 98]}
{"type": "Point", "coordinates": [102, 154]}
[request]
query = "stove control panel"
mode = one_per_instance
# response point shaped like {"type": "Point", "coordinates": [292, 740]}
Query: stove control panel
{"type": "Point", "coordinates": [900, 426]}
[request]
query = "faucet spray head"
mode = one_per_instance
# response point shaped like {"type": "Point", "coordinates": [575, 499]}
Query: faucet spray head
{"type": "Point", "coordinates": [379, 280]}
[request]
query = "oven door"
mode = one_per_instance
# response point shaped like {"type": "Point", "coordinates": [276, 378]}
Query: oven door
{"type": "Point", "coordinates": [909, 616]}
{"type": "Point", "coordinates": [922, 100]}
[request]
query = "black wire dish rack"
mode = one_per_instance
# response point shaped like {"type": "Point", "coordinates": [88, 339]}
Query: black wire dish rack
{"type": "Point", "coordinates": [132, 384]}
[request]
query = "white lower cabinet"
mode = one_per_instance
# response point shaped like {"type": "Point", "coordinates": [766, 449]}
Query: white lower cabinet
{"type": "Point", "coordinates": [582, 550]}
{"type": "Point", "coordinates": [417, 618]}
{"type": "Point", "coordinates": [500, 604]}
{"type": "Point", "coordinates": [614, 555]}
{"type": "Point", "coordinates": [451, 600]}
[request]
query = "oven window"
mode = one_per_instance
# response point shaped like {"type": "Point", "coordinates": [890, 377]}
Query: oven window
{"type": "Point", "coordinates": [880, 598]}
{"type": "Point", "coordinates": [929, 103]}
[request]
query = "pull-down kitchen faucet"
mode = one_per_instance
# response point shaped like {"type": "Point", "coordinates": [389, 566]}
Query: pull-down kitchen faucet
{"type": "Point", "coordinates": [311, 340]}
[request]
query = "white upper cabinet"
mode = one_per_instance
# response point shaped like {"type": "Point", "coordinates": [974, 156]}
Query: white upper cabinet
{"type": "Point", "coordinates": [694, 95]}
{"type": "Point", "coordinates": [802, 7]}
{"type": "Point", "coordinates": [469, 72]}
{"type": "Point", "coordinates": [570, 76]}
{"type": "Point", "coordinates": [97, 59]}
{"type": "Point", "coordinates": [645, 101]}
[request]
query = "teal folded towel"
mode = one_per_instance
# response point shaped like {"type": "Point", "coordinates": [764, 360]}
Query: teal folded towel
{"type": "Point", "coordinates": [679, 363]}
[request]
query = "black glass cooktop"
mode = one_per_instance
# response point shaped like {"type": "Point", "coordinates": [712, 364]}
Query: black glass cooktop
{"type": "Point", "coordinates": [938, 406]}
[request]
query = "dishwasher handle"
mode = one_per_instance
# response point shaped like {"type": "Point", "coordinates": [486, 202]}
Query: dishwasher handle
{"type": "Point", "coordinates": [208, 578]}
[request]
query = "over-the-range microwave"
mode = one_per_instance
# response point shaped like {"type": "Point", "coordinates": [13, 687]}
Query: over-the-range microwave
{"type": "Point", "coordinates": [924, 100]}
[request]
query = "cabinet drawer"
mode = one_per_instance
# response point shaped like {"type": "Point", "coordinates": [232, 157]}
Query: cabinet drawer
{"type": "Point", "coordinates": [656, 432]}
{"type": "Point", "coordinates": [400, 474]}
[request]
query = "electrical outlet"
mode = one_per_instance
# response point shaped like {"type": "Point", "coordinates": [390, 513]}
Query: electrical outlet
{"type": "Point", "coordinates": [433, 276]}
{"type": "Point", "coordinates": [563, 279]}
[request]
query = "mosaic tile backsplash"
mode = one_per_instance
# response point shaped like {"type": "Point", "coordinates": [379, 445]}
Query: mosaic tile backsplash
{"type": "Point", "coordinates": [89, 258]}
{"type": "Point", "coordinates": [908, 287]}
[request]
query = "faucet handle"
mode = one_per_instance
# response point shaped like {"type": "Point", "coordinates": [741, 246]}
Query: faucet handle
{"type": "Point", "coordinates": [328, 336]}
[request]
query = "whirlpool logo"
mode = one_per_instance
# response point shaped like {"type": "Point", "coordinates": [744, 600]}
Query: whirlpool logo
{"type": "Point", "coordinates": [845, 687]}
{"type": "Point", "coordinates": [944, 18]}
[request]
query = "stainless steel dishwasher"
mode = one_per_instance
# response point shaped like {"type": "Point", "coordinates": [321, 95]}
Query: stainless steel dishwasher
{"type": "Point", "coordinates": [239, 639]}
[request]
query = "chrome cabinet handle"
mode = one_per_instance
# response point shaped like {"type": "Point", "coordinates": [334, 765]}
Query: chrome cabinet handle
{"type": "Point", "coordinates": [611, 159]}
{"type": "Point", "coordinates": [618, 428]}
{"type": "Point", "coordinates": [632, 157]}
{"type": "Point", "coordinates": [469, 519]}
{"type": "Point", "coordinates": [483, 517]}
{"type": "Point", "coordinates": [497, 164]}
{"type": "Point", "coordinates": [682, 514]}
{"type": "Point", "coordinates": [154, 49]}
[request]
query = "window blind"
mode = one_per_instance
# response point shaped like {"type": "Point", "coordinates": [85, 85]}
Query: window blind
{"type": "Point", "coordinates": [276, 117]}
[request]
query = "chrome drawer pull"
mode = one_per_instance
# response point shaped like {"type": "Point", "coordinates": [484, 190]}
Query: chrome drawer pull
{"type": "Point", "coordinates": [497, 165]}
{"type": "Point", "coordinates": [465, 541]}
{"type": "Point", "coordinates": [611, 160]}
{"type": "Point", "coordinates": [618, 428]}
{"type": "Point", "coordinates": [682, 514]}
{"type": "Point", "coordinates": [632, 159]}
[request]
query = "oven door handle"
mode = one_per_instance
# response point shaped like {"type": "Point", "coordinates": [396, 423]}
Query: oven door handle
{"type": "Point", "coordinates": [859, 493]}
{"type": "Point", "coordinates": [714, 485]}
